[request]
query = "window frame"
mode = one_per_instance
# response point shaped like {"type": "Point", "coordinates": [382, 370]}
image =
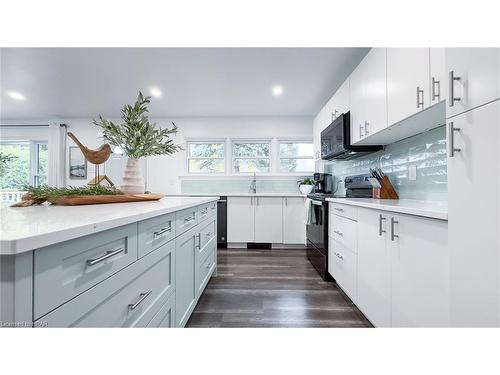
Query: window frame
{"type": "Point", "coordinates": [206, 141]}
{"type": "Point", "coordinates": [279, 157]}
{"type": "Point", "coordinates": [268, 141]}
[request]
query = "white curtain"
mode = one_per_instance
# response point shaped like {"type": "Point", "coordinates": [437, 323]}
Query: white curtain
{"type": "Point", "coordinates": [57, 155]}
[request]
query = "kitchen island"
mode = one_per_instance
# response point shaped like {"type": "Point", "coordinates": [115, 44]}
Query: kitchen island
{"type": "Point", "coordinates": [141, 264]}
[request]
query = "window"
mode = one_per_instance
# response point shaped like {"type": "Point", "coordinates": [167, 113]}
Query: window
{"type": "Point", "coordinates": [296, 157]}
{"type": "Point", "coordinates": [206, 157]}
{"type": "Point", "coordinates": [250, 157]}
{"type": "Point", "coordinates": [23, 163]}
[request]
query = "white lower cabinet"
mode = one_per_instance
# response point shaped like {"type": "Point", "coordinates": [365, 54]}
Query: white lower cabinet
{"type": "Point", "coordinates": [342, 264]}
{"type": "Point", "coordinates": [261, 219]}
{"type": "Point", "coordinates": [294, 228]}
{"type": "Point", "coordinates": [374, 271]}
{"type": "Point", "coordinates": [403, 270]}
{"type": "Point", "coordinates": [268, 220]}
{"type": "Point", "coordinates": [240, 219]}
{"type": "Point", "coordinates": [420, 269]}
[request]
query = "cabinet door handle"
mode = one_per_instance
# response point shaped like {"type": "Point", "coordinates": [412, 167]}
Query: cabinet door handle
{"type": "Point", "coordinates": [433, 86]}
{"type": "Point", "coordinates": [286, 202]}
{"type": "Point", "coordinates": [338, 255]}
{"type": "Point", "coordinates": [109, 254]}
{"type": "Point", "coordinates": [197, 246]}
{"type": "Point", "coordinates": [142, 296]}
{"type": "Point", "coordinates": [338, 233]}
{"type": "Point", "coordinates": [393, 236]}
{"type": "Point", "coordinates": [366, 128]}
{"type": "Point", "coordinates": [452, 98]}
{"type": "Point", "coordinates": [451, 139]}
{"type": "Point", "coordinates": [420, 103]}
{"type": "Point", "coordinates": [380, 220]}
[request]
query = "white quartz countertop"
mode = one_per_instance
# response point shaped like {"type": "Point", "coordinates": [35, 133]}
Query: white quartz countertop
{"type": "Point", "coordinates": [27, 228]}
{"type": "Point", "coordinates": [284, 195]}
{"type": "Point", "coordinates": [430, 209]}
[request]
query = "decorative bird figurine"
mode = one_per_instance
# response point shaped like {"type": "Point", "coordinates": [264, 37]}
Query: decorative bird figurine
{"type": "Point", "coordinates": [98, 156]}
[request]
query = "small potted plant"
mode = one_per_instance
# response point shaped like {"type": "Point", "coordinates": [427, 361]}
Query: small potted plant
{"type": "Point", "coordinates": [137, 137]}
{"type": "Point", "coordinates": [306, 185]}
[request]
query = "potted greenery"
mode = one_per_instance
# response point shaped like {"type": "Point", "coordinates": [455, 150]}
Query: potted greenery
{"type": "Point", "coordinates": [306, 185]}
{"type": "Point", "coordinates": [137, 137]}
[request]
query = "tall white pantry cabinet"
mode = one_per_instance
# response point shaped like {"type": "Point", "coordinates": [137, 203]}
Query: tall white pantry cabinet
{"type": "Point", "coordinates": [473, 125]}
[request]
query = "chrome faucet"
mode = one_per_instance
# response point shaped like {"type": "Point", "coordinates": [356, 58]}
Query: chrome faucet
{"type": "Point", "coordinates": [253, 184]}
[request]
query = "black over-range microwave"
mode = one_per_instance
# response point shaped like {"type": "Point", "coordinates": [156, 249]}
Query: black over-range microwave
{"type": "Point", "coordinates": [336, 141]}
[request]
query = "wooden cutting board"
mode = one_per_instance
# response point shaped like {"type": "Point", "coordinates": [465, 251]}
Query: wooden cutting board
{"type": "Point", "coordinates": [78, 200]}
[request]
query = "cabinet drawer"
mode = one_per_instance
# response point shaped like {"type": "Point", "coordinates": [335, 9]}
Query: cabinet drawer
{"type": "Point", "coordinates": [207, 233]}
{"type": "Point", "coordinates": [155, 232]}
{"type": "Point", "coordinates": [165, 317]}
{"type": "Point", "coordinates": [206, 210]}
{"type": "Point", "coordinates": [351, 212]}
{"type": "Point", "coordinates": [127, 299]}
{"type": "Point", "coordinates": [342, 266]}
{"type": "Point", "coordinates": [206, 268]}
{"type": "Point", "coordinates": [343, 231]}
{"type": "Point", "coordinates": [185, 220]}
{"type": "Point", "coordinates": [65, 270]}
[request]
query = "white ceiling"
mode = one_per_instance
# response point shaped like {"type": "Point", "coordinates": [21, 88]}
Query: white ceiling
{"type": "Point", "coordinates": [86, 82]}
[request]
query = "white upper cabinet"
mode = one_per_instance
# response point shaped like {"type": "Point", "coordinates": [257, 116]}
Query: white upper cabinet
{"type": "Point", "coordinates": [407, 82]}
{"type": "Point", "coordinates": [437, 83]}
{"type": "Point", "coordinates": [368, 100]}
{"type": "Point", "coordinates": [473, 78]}
{"type": "Point", "coordinates": [356, 103]}
{"type": "Point", "coordinates": [420, 269]}
{"type": "Point", "coordinates": [474, 217]}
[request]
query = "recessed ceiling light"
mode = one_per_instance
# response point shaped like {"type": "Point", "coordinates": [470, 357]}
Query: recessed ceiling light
{"type": "Point", "coordinates": [16, 95]}
{"type": "Point", "coordinates": [155, 92]}
{"type": "Point", "coordinates": [277, 90]}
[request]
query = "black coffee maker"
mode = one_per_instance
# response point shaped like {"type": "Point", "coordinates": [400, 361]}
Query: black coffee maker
{"type": "Point", "coordinates": [323, 183]}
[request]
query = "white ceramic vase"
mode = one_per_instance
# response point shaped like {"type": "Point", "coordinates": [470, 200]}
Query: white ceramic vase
{"type": "Point", "coordinates": [133, 183]}
{"type": "Point", "coordinates": [305, 189]}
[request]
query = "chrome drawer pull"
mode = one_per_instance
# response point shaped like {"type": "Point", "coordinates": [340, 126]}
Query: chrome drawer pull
{"type": "Point", "coordinates": [338, 255]}
{"type": "Point", "coordinates": [188, 219]}
{"type": "Point", "coordinates": [109, 254]}
{"type": "Point", "coordinates": [338, 233]}
{"type": "Point", "coordinates": [209, 234]}
{"type": "Point", "coordinates": [338, 209]}
{"type": "Point", "coordinates": [162, 231]}
{"type": "Point", "coordinates": [143, 296]}
{"type": "Point", "coordinates": [204, 211]}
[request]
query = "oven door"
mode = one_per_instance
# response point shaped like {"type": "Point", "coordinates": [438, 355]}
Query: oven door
{"type": "Point", "coordinates": [316, 231]}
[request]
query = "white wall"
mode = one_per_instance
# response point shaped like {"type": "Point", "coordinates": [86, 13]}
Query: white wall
{"type": "Point", "coordinates": [162, 172]}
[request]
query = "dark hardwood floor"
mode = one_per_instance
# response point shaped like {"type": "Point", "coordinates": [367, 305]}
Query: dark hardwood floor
{"type": "Point", "coordinates": [272, 288]}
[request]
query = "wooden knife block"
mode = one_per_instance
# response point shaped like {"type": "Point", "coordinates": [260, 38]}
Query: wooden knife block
{"type": "Point", "coordinates": [387, 190]}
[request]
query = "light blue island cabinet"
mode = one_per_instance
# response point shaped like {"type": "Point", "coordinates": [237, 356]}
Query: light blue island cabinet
{"type": "Point", "coordinates": [118, 265]}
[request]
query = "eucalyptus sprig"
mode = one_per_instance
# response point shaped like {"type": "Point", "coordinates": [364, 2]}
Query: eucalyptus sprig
{"type": "Point", "coordinates": [137, 136]}
{"type": "Point", "coordinates": [46, 193]}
